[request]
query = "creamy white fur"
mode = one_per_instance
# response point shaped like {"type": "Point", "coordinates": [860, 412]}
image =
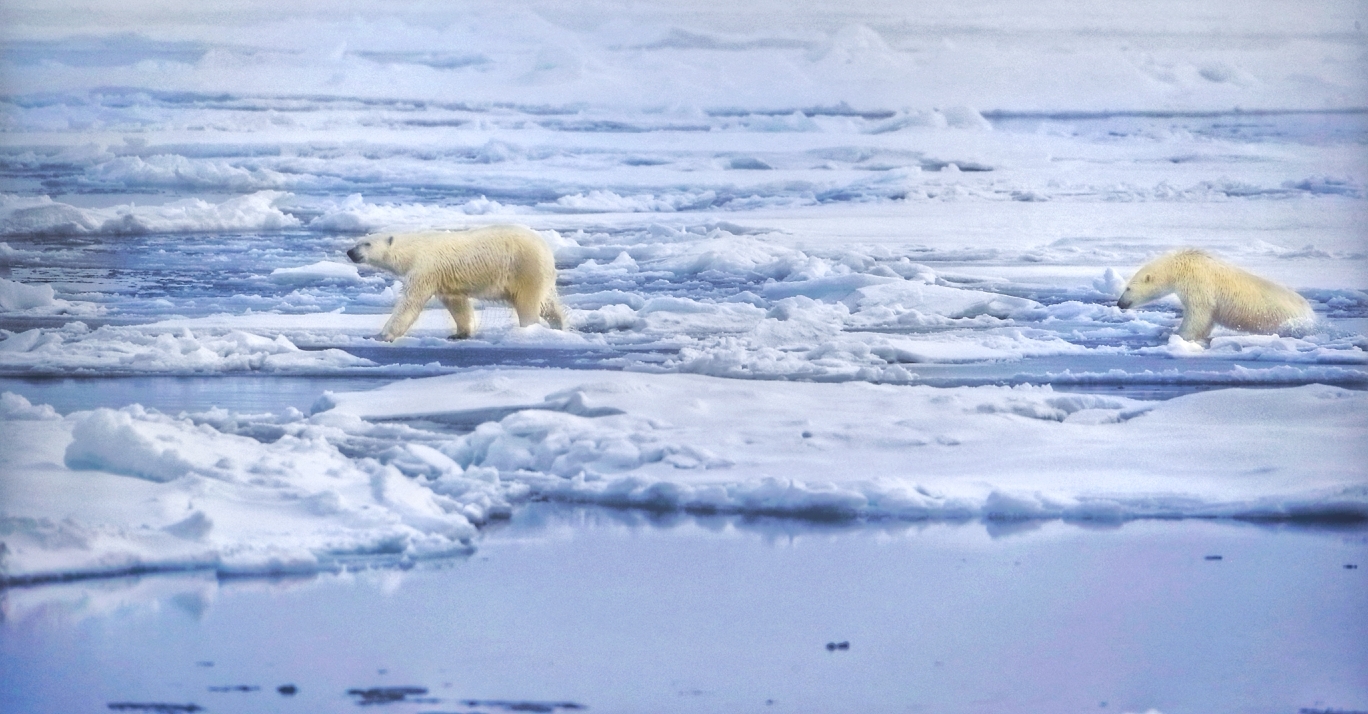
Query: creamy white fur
{"type": "Point", "coordinates": [1216, 293]}
{"type": "Point", "coordinates": [507, 262]}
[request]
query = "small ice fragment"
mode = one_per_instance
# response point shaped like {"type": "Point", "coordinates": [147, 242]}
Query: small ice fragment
{"type": "Point", "coordinates": [1110, 284]}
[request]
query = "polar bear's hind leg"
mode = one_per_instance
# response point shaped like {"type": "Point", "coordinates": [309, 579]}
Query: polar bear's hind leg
{"type": "Point", "coordinates": [463, 313]}
{"type": "Point", "coordinates": [528, 307]}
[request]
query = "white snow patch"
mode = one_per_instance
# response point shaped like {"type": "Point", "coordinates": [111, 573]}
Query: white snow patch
{"type": "Point", "coordinates": [17, 296]}
{"type": "Point", "coordinates": [682, 441]}
{"type": "Point", "coordinates": [43, 216]}
{"type": "Point", "coordinates": [111, 491]}
{"type": "Point", "coordinates": [114, 350]}
{"type": "Point", "coordinates": [317, 272]}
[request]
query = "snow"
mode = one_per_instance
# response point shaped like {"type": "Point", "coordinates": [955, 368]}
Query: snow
{"type": "Point", "coordinates": [316, 272]}
{"type": "Point", "coordinates": [688, 442]}
{"type": "Point", "coordinates": [16, 296]}
{"type": "Point", "coordinates": [260, 493]}
{"type": "Point", "coordinates": [75, 349]}
{"type": "Point", "coordinates": [110, 492]}
{"type": "Point", "coordinates": [43, 216]}
{"type": "Point", "coordinates": [939, 63]}
{"type": "Point", "coordinates": [855, 263]}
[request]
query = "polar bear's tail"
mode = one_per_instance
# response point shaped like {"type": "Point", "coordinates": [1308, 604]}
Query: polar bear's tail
{"type": "Point", "coordinates": [552, 313]}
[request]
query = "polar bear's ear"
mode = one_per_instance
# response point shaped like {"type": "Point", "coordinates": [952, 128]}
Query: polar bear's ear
{"type": "Point", "coordinates": [390, 241]}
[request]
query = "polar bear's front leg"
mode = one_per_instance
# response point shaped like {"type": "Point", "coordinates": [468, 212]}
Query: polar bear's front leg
{"type": "Point", "coordinates": [406, 312]}
{"type": "Point", "coordinates": [1198, 319]}
{"type": "Point", "coordinates": [462, 312]}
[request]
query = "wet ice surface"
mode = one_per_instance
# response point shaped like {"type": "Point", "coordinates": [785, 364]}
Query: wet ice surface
{"type": "Point", "coordinates": [787, 301]}
{"type": "Point", "coordinates": [619, 611]}
{"type": "Point", "coordinates": [855, 265]}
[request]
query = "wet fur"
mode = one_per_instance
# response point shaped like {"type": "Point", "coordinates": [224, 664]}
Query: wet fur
{"type": "Point", "coordinates": [1216, 293]}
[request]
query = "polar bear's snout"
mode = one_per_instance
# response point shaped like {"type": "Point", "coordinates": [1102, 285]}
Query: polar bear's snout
{"type": "Point", "coordinates": [1122, 302]}
{"type": "Point", "coordinates": [355, 254]}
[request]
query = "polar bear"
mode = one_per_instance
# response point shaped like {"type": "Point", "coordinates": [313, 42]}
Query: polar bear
{"type": "Point", "coordinates": [510, 263]}
{"type": "Point", "coordinates": [1216, 293]}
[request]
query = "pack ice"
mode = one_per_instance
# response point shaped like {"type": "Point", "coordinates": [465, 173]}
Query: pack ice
{"type": "Point", "coordinates": [831, 262]}
{"type": "Point", "coordinates": [367, 476]}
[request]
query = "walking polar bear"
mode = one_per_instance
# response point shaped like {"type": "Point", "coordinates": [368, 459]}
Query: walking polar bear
{"type": "Point", "coordinates": [509, 263]}
{"type": "Point", "coordinates": [1216, 293]}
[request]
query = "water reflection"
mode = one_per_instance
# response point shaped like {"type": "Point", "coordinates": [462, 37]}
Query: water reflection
{"type": "Point", "coordinates": [727, 613]}
{"type": "Point", "coordinates": [194, 593]}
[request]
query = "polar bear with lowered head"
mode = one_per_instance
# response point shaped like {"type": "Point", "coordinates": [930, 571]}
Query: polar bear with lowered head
{"type": "Point", "coordinates": [509, 263]}
{"type": "Point", "coordinates": [1216, 293]}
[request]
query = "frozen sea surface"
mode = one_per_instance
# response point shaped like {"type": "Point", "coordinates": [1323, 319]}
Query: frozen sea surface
{"type": "Point", "coordinates": [828, 314]}
{"type": "Point", "coordinates": [851, 267]}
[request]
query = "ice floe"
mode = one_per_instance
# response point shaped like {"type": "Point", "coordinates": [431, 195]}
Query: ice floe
{"type": "Point", "coordinates": [404, 471]}
{"type": "Point", "coordinates": [109, 492]}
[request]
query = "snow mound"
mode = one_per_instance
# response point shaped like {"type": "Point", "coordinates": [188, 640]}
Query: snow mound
{"type": "Point", "coordinates": [697, 443]}
{"type": "Point", "coordinates": [17, 296]}
{"type": "Point", "coordinates": [178, 493]}
{"type": "Point", "coordinates": [40, 300]}
{"type": "Point", "coordinates": [366, 478]}
{"type": "Point", "coordinates": [42, 216]}
{"type": "Point", "coordinates": [355, 215]}
{"type": "Point", "coordinates": [111, 350]}
{"type": "Point", "coordinates": [14, 406]}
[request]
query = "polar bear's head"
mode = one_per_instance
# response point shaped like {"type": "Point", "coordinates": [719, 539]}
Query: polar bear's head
{"type": "Point", "coordinates": [1145, 286]}
{"type": "Point", "coordinates": [1161, 276]}
{"type": "Point", "coordinates": [372, 250]}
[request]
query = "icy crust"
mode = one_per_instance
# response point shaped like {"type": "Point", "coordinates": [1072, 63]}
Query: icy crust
{"type": "Point", "coordinates": [716, 299]}
{"type": "Point", "coordinates": [690, 442]}
{"type": "Point", "coordinates": [257, 211]}
{"type": "Point", "coordinates": [407, 471]}
{"type": "Point", "coordinates": [273, 69]}
{"type": "Point", "coordinates": [131, 490]}
{"type": "Point", "coordinates": [569, 187]}
{"type": "Point", "coordinates": [19, 298]}
{"type": "Point", "coordinates": [1321, 349]}
{"type": "Point", "coordinates": [320, 272]}
{"type": "Point", "coordinates": [74, 348]}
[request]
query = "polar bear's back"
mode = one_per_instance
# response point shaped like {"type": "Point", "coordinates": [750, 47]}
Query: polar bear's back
{"type": "Point", "coordinates": [1238, 298]}
{"type": "Point", "coordinates": [1255, 304]}
{"type": "Point", "coordinates": [491, 261]}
